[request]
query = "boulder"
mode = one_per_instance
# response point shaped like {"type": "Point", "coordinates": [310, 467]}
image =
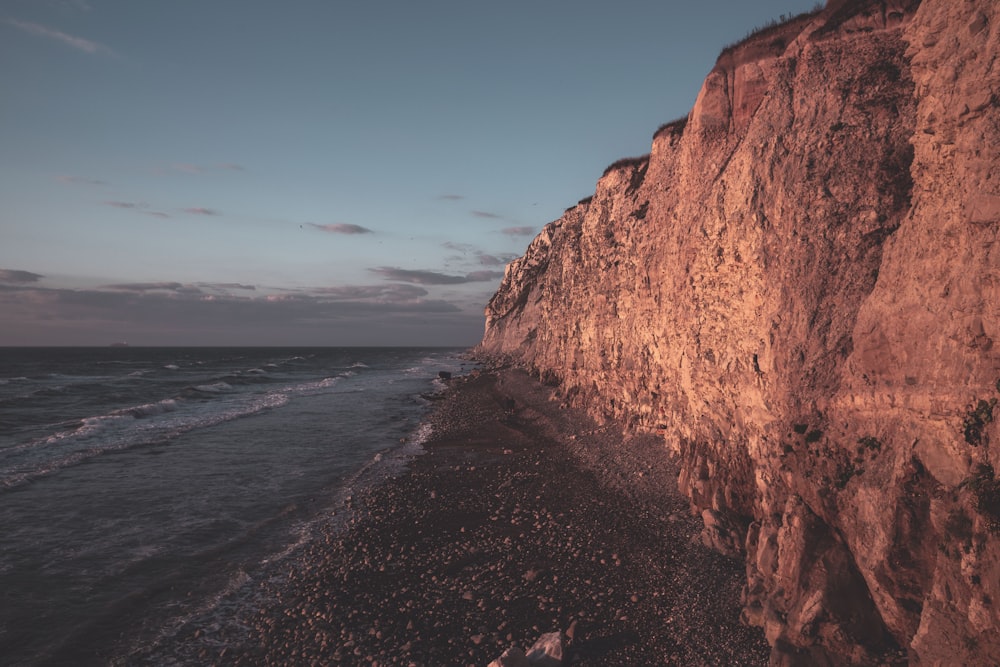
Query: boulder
{"type": "Point", "coordinates": [547, 651]}
{"type": "Point", "coordinates": [512, 657]}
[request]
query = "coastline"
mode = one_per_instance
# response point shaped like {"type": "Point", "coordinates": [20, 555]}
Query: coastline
{"type": "Point", "coordinates": [519, 519]}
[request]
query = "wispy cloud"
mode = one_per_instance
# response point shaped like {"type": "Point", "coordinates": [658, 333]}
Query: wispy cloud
{"type": "Point", "coordinates": [125, 204]}
{"type": "Point", "coordinates": [198, 210]}
{"type": "Point", "coordinates": [459, 247]}
{"type": "Point", "coordinates": [487, 215]}
{"type": "Point", "coordinates": [227, 286]}
{"type": "Point", "coordinates": [433, 277]}
{"type": "Point", "coordinates": [471, 252]}
{"type": "Point", "coordinates": [451, 197]}
{"type": "Point", "coordinates": [179, 287]}
{"type": "Point", "coordinates": [19, 277]}
{"type": "Point", "coordinates": [78, 43]}
{"type": "Point", "coordinates": [80, 180]}
{"type": "Point", "coordinates": [342, 228]}
{"type": "Point", "coordinates": [518, 231]}
{"type": "Point", "coordinates": [142, 207]}
{"type": "Point", "coordinates": [155, 287]}
{"type": "Point", "coordinates": [385, 293]}
{"type": "Point", "coordinates": [491, 260]}
{"type": "Point", "coordinates": [483, 276]}
{"type": "Point", "coordinates": [193, 168]}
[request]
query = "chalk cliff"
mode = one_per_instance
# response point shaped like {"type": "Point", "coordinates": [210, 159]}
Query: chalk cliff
{"type": "Point", "coordinates": [799, 287]}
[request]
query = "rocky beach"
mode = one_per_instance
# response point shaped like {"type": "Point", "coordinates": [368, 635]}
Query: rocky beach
{"type": "Point", "coordinates": [522, 518]}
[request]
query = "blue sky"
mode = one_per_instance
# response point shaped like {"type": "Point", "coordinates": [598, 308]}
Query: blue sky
{"type": "Point", "coordinates": [323, 172]}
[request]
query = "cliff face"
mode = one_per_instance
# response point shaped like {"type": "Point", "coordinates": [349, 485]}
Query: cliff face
{"type": "Point", "coordinates": [800, 288]}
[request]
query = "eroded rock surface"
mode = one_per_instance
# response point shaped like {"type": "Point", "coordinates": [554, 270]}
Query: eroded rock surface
{"type": "Point", "coordinates": [799, 287]}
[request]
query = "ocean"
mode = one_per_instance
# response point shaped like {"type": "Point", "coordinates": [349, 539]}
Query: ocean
{"type": "Point", "coordinates": [144, 487]}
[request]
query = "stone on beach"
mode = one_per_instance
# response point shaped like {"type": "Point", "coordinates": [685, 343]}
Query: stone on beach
{"type": "Point", "coordinates": [512, 657]}
{"type": "Point", "coordinates": [547, 651]}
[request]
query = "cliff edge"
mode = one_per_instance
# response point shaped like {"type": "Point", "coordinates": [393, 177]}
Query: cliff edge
{"type": "Point", "coordinates": [799, 287]}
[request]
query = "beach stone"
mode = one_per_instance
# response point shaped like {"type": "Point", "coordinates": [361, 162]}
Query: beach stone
{"type": "Point", "coordinates": [512, 657]}
{"type": "Point", "coordinates": [547, 651]}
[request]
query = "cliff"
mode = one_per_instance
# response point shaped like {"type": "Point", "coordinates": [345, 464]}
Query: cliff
{"type": "Point", "coordinates": [799, 287]}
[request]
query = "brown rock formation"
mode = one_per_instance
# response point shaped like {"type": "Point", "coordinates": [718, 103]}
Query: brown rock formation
{"type": "Point", "coordinates": [800, 286]}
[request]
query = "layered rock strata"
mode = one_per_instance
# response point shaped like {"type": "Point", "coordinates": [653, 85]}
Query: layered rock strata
{"type": "Point", "coordinates": [799, 287]}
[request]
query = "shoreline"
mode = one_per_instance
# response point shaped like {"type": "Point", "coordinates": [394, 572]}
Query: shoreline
{"type": "Point", "coordinates": [519, 518]}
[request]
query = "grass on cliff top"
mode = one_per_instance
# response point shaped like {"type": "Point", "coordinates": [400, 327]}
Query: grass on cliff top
{"type": "Point", "coordinates": [626, 162]}
{"type": "Point", "coordinates": [582, 202]}
{"type": "Point", "coordinates": [774, 26]}
{"type": "Point", "coordinates": [675, 126]}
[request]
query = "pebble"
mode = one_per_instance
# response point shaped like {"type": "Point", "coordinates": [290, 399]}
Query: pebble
{"type": "Point", "coordinates": [531, 553]}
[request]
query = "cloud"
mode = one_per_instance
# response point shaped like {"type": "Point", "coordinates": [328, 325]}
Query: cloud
{"type": "Point", "coordinates": [80, 180]}
{"type": "Point", "coordinates": [518, 231]}
{"type": "Point", "coordinates": [342, 228]}
{"type": "Point", "coordinates": [155, 287]}
{"type": "Point", "coordinates": [172, 303]}
{"type": "Point", "coordinates": [487, 215]}
{"type": "Point", "coordinates": [142, 206]}
{"type": "Point", "coordinates": [77, 43]}
{"type": "Point", "coordinates": [489, 260]}
{"type": "Point", "coordinates": [433, 277]}
{"type": "Point", "coordinates": [481, 257]}
{"type": "Point", "coordinates": [192, 168]}
{"type": "Point", "coordinates": [384, 293]}
{"type": "Point", "coordinates": [459, 247]}
{"type": "Point", "coordinates": [172, 312]}
{"type": "Point", "coordinates": [418, 277]}
{"type": "Point", "coordinates": [19, 277]}
{"type": "Point", "coordinates": [125, 204]}
{"type": "Point", "coordinates": [483, 276]}
{"type": "Point", "coordinates": [227, 286]}
{"type": "Point", "coordinates": [198, 210]}
{"type": "Point", "coordinates": [452, 197]}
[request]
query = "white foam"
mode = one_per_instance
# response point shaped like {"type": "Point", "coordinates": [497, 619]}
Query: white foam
{"type": "Point", "coordinates": [124, 429]}
{"type": "Point", "coordinates": [150, 409]}
{"type": "Point", "coordinates": [214, 388]}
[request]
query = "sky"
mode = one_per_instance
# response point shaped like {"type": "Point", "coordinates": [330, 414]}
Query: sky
{"type": "Point", "coordinates": [314, 172]}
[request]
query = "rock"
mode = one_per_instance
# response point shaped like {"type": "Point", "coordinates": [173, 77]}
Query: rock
{"type": "Point", "coordinates": [572, 630]}
{"type": "Point", "coordinates": [444, 375]}
{"type": "Point", "coordinates": [512, 657]}
{"type": "Point", "coordinates": [547, 651]}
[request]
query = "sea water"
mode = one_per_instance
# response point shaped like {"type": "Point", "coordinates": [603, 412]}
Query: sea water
{"type": "Point", "coordinates": [141, 486]}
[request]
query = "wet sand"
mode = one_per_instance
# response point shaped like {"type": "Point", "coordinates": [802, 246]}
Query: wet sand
{"type": "Point", "coordinates": [521, 518]}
